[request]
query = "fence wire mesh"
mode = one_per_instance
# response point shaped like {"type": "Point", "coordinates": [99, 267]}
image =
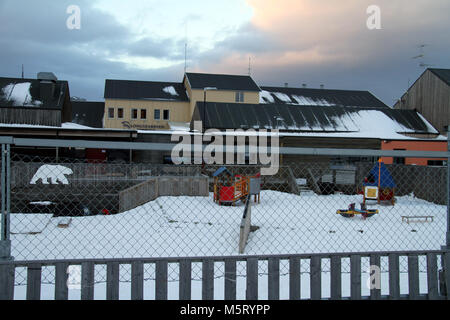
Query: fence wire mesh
{"type": "Point", "coordinates": [74, 209]}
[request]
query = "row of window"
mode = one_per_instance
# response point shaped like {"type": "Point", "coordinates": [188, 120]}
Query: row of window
{"type": "Point", "coordinates": [138, 112]}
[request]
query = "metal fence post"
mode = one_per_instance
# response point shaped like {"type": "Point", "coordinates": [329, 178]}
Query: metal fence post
{"type": "Point", "coordinates": [447, 243]}
{"type": "Point", "coordinates": [442, 283]}
{"type": "Point", "coordinates": [5, 241]}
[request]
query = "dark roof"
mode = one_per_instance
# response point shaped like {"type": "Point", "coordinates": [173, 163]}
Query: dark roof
{"type": "Point", "coordinates": [88, 113]}
{"type": "Point", "coordinates": [145, 90]}
{"type": "Point", "coordinates": [20, 92]}
{"type": "Point", "coordinates": [443, 74]}
{"type": "Point", "coordinates": [319, 97]}
{"type": "Point", "coordinates": [307, 118]}
{"type": "Point", "coordinates": [221, 82]}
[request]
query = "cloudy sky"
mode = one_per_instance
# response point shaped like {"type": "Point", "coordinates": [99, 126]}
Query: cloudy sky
{"type": "Point", "coordinates": [288, 41]}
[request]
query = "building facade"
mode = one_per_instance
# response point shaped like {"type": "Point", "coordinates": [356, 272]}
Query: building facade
{"type": "Point", "coordinates": [145, 105]}
{"type": "Point", "coordinates": [430, 95]}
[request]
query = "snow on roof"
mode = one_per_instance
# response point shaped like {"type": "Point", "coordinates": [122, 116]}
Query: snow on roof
{"type": "Point", "coordinates": [170, 90]}
{"type": "Point", "coordinates": [19, 94]}
{"type": "Point", "coordinates": [266, 97]}
{"type": "Point", "coordinates": [293, 99]}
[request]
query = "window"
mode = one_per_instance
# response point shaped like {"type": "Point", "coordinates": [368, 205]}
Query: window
{"type": "Point", "coordinates": [239, 97]}
{"type": "Point", "coordinates": [166, 115]}
{"type": "Point", "coordinates": [111, 113]}
{"type": "Point", "coordinates": [134, 113]}
{"type": "Point", "coordinates": [143, 114]}
{"type": "Point", "coordinates": [120, 113]}
{"type": "Point", "coordinates": [436, 163]}
{"type": "Point", "coordinates": [157, 114]}
{"type": "Point", "coordinates": [399, 160]}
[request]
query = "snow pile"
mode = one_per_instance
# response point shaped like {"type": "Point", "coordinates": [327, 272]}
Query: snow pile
{"type": "Point", "coordinates": [170, 90]}
{"type": "Point", "coordinates": [19, 94]}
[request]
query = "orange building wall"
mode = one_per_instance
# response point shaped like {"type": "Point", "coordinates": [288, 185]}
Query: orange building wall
{"type": "Point", "coordinates": [413, 146]}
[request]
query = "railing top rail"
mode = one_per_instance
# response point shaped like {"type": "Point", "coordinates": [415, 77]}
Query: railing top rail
{"type": "Point", "coordinates": [219, 258]}
{"type": "Point", "coordinates": [59, 143]}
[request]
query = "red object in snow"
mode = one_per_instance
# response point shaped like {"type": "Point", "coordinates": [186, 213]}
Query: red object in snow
{"type": "Point", "coordinates": [105, 212]}
{"type": "Point", "coordinates": [226, 193]}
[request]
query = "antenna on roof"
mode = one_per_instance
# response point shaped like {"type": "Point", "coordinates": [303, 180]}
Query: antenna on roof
{"type": "Point", "coordinates": [249, 66]}
{"type": "Point", "coordinates": [22, 72]}
{"type": "Point", "coordinates": [421, 56]}
{"type": "Point", "coordinates": [185, 49]}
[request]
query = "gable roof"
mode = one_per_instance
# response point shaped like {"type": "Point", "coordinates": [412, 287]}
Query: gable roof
{"type": "Point", "coordinates": [319, 97]}
{"type": "Point", "coordinates": [88, 113]}
{"type": "Point", "coordinates": [18, 92]}
{"type": "Point", "coordinates": [222, 82]}
{"type": "Point", "coordinates": [332, 119]}
{"type": "Point", "coordinates": [145, 90]}
{"type": "Point", "coordinates": [443, 74]}
{"type": "Point", "coordinates": [381, 176]}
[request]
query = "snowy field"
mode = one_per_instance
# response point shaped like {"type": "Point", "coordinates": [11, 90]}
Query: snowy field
{"type": "Point", "coordinates": [196, 226]}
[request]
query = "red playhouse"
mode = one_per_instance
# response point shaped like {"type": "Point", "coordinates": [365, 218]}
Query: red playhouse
{"type": "Point", "coordinates": [229, 189]}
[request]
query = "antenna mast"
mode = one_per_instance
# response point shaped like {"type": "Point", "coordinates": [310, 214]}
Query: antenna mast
{"type": "Point", "coordinates": [22, 72]}
{"type": "Point", "coordinates": [249, 66]}
{"type": "Point", "coordinates": [185, 48]}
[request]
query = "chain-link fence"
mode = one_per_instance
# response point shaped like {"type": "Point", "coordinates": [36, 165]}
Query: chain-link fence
{"type": "Point", "coordinates": [78, 209]}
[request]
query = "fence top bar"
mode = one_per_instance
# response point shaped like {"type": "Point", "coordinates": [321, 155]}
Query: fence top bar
{"type": "Point", "coordinates": [58, 143]}
{"type": "Point", "coordinates": [218, 258]}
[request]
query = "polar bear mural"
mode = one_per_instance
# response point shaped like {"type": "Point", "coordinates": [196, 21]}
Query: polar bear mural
{"type": "Point", "coordinates": [55, 173]}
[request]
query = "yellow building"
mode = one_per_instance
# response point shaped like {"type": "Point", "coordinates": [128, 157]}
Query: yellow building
{"type": "Point", "coordinates": [149, 105]}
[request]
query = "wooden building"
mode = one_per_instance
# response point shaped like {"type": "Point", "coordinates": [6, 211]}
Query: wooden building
{"type": "Point", "coordinates": [430, 95]}
{"type": "Point", "coordinates": [43, 101]}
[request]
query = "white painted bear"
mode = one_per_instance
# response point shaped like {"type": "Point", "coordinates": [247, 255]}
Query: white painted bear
{"type": "Point", "coordinates": [55, 173]}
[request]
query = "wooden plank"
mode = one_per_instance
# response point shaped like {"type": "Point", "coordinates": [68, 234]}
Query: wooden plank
{"type": "Point", "coordinates": [274, 279]}
{"type": "Point", "coordinates": [185, 280]}
{"type": "Point", "coordinates": [252, 279]}
{"type": "Point", "coordinates": [61, 278]}
{"type": "Point", "coordinates": [355, 277]}
{"type": "Point", "coordinates": [87, 281]}
{"type": "Point", "coordinates": [112, 281]}
{"type": "Point", "coordinates": [375, 291]}
{"type": "Point", "coordinates": [7, 274]}
{"type": "Point", "coordinates": [34, 273]}
{"type": "Point", "coordinates": [137, 281]}
{"type": "Point", "coordinates": [230, 279]}
{"type": "Point", "coordinates": [294, 279]}
{"type": "Point", "coordinates": [161, 280]}
{"type": "Point", "coordinates": [394, 277]}
{"type": "Point", "coordinates": [315, 278]}
{"type": "Point", "coordinates": [432, 277]}
{"type": "Point", "coordinates": [336, 278]}
{"type": "Point", "coordinates": [208, 280]}
{"type": "Point", "coordinates": [413, 277]}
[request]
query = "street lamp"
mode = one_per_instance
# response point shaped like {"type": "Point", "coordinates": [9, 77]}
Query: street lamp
{"type": "Point", "coordinates": [204, 103]}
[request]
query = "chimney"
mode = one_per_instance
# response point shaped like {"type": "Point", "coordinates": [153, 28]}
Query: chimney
{"type": "Point", "coordinates": [304, 85]}
{"type": "Point", "coordinates": [47, 85]}
{"type": "Point", "coordinates": [286, 84]}
{"type": "Point", "coordinates": [322, 86]}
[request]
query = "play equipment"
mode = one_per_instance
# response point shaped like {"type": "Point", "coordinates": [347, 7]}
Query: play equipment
{"type": "Point", "coordinates": [352, 211]}
{"type": "Point", "coordinates": [379, 185]}
{"type": "Point", "coordinates": [229, 189]}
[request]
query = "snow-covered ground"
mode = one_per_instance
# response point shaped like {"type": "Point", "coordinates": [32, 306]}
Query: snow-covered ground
{"type": "Point", "coordinates": [196, 226]}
